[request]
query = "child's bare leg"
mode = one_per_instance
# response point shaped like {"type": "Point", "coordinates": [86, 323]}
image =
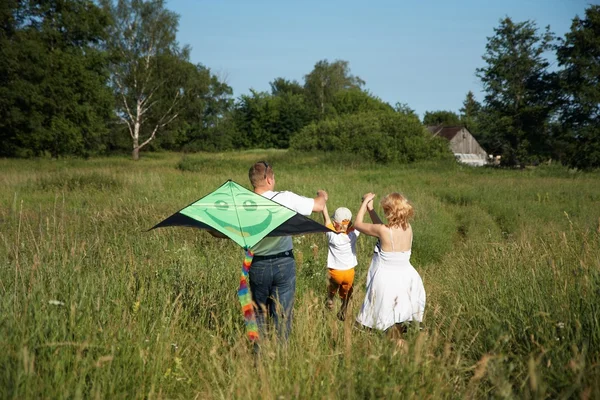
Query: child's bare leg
{"type": "Point", "coordinates": [345, 300]}
{"type": "Point", "coordinates": [332, 288]}
{"type": "Point", "coordinates": [329, 302]}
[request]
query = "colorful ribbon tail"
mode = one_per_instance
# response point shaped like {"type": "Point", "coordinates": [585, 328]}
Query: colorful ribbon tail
{"type": "Point", "coordinates": [246, 298]}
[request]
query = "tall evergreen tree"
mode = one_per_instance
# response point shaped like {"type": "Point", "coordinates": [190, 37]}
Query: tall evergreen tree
{"type": "Point", "coordinates": [469, 113]}
{"type": "Point", "coordinates": [579, 55]}
{"type": "Point", "coordinates": [519, 91]}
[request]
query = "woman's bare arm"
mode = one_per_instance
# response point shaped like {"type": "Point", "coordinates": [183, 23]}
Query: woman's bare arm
{"type": "Point", "coordinates": [364, 227]}
{"type": "Point", "coordinates": [373, 214]}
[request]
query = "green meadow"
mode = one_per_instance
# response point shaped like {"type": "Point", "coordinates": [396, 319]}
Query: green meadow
{"type": "Point", "coordinates": [94, 306]}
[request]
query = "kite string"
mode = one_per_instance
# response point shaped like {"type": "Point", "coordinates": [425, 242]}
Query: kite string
{"type": "Point", "coordinates": [246, 298]}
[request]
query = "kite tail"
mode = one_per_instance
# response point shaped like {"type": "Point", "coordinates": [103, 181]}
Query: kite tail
{"type": "Point", "coordinates": [246, 298]}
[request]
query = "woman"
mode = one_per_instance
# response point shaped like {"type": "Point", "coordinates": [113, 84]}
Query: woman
{"type": "Point", "coordinates": [395, 292]}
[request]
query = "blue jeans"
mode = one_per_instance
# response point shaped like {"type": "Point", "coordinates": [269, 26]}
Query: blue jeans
{"type": "Point", "coordinates": [273, 286]}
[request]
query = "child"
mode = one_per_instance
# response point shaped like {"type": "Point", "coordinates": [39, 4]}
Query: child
{"type": "Point", "coordinates": [341, 258]}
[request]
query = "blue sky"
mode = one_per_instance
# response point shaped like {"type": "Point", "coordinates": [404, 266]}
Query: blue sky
{"type": "Point", "coordinates": [423, 53]}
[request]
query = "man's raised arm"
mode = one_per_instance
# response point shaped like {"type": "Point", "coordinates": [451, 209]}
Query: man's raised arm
{"type": "Point", "coordinates": [320, 201]}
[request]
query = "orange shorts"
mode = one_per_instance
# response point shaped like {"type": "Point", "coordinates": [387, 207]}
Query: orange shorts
{"type": "Point", "coordinates": [340, 281]}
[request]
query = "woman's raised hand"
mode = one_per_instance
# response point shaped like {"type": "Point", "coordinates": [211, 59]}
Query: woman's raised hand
{"type": "Point", "coordinates": [368, 197]}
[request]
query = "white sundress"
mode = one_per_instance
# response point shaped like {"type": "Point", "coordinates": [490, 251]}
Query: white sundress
{"type": "Point", "coordinates": [395, 291]}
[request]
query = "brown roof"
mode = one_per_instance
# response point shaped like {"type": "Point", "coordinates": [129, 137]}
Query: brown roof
{"type": "Point", "coordinates": [434, 128]}
{"type": "Point", "coordinates": [447, 132]}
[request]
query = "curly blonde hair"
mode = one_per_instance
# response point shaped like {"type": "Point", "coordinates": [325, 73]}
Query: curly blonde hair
{"type": "Point", "coordinates": [397, 210]}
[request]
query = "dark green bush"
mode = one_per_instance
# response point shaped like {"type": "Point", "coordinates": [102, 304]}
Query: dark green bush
{"type": "Point", "coordinates": [377, 136]}
{"type": "Point", "coordinates": [213, 139]}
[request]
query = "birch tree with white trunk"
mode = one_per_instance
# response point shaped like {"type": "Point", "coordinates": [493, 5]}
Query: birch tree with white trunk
{"type": "Point", "coordinates": [145, 58]}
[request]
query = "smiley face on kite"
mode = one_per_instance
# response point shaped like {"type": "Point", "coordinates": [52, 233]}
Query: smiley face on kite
{"type": "Point", "coordinates": [242, 215]}
{"type": "Point", "coordinates": [233, 210]}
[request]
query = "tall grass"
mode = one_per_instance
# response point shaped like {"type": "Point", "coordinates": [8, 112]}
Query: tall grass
{"type": "Point", "coordinates": [93, 306]}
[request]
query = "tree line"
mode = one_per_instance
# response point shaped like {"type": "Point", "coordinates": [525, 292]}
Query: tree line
{"type": "Point", "coordinates": [83, 77]}
{"type": "Point", "coordinates": [534, 111]}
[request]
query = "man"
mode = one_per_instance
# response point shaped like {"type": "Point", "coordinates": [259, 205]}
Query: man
{"type": "Point", "coordinates": [273, 270]}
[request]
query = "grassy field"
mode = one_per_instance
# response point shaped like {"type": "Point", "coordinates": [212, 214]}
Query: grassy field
{"type": "Point", "coordinates": [93, 306]}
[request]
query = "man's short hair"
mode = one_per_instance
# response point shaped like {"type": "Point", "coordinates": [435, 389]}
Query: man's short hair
{"type": "Point", "coordinates": [259, 172]}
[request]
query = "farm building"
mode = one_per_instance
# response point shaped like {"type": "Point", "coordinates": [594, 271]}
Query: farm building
{"type": "Point", "coordinates": [462, 143]}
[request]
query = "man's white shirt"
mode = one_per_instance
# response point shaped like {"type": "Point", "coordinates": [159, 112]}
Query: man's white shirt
{"type": "Point", "coordinates": [275, 245]}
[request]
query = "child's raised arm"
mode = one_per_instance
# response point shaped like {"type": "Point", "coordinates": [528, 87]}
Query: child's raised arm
{"type": "Point", "coordinates": [326, 219]}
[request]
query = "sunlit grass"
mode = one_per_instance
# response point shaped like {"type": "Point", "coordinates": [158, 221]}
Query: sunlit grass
{"type": "Point", "coordinates": [92, 305]}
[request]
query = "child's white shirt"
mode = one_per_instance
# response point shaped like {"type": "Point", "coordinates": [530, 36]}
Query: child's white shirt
{"type": "Point", "coordinates": [342, 250]}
